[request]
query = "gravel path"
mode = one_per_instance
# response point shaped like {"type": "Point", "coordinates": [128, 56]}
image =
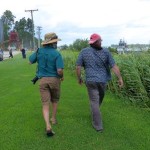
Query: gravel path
{"type": "Point", "coordinates": [6, 54]}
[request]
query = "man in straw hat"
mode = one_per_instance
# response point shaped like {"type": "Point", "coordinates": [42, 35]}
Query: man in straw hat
{"type": "Point", "coordinates": [50, 72]}
{"type": "Point", "coordinates": [96, 62]}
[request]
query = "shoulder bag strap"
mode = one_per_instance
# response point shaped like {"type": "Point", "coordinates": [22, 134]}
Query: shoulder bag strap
{"type": "Point", "coordinates": [106, 66]}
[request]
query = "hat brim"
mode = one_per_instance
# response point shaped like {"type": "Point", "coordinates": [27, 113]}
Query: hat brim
{"type": "Point", "coordinates": [51, 41]}
{"type": "Point", "coordinates": [92, 41]}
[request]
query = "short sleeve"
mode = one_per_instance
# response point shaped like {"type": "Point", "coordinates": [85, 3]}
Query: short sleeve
{"type": "Point", "coordinates": [59, 62]}
{"type": "Point", "coordinates": [111, 61]}
{"type": "Point", "coordinates": [79, 61]}
{"type": "Point", "coordinates": [33, 58]}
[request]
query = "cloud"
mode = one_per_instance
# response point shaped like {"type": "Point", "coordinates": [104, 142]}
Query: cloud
{"type": "Point", "coordinates": [69, 32]}
{"type": "Point", "coordinates": [72, 19]}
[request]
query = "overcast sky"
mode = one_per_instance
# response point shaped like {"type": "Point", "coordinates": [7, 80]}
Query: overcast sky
{"type": "Point", "coordinates": [73, 19]}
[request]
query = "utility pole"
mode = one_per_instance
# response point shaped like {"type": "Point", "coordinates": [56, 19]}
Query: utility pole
{"type": "Point", "coordinates": [39, 33]}
{"type": "Point", "coordinates": [32, 26]}
{"type": "Point", "coordinates": [1, 32]}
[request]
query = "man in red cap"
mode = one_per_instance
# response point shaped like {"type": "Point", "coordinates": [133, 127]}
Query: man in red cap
{"type": "Point", "coordinates": [97, 62]}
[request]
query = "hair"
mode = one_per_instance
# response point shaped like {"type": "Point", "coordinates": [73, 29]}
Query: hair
{"type": "Point", "coordinates": [50, 44]}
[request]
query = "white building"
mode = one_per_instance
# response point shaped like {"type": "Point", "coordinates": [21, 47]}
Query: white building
{"type": "Point", "coordinates": [122, 48]}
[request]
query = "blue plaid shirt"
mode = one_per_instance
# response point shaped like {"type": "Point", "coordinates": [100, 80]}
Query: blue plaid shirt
{"type": "Point", "coordinates": [95, 70]}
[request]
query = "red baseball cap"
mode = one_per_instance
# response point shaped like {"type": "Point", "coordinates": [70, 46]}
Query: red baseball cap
{"type": "Point", "coordinates": [94, 37]}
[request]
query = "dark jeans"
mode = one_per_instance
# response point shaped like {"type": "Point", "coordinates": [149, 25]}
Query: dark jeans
{"type": "Point", "coordinates": [96, 93]}
{"type": "Point", "coordinates": [10, 54]}
{"type": "Point", "coordinates": [23, 55]}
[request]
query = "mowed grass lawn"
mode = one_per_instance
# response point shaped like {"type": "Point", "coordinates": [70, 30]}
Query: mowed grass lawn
{"type": "Point", "coordinates": [22, 126]}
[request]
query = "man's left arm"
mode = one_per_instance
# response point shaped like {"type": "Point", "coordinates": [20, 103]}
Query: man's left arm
{"type": "Point", "coordinates": [60, 67]}
{"type": "Point", "coordinates": [116, 70]}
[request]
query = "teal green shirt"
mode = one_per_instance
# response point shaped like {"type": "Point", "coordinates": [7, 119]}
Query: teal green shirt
{"type": "Point", "coordinates": [49, 60]}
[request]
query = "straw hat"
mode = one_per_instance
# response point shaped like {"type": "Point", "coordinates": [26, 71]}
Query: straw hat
{"type": "Point", "coordinates": [50, 38]}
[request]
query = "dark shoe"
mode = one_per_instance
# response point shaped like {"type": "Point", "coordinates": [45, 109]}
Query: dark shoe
{"type": "Point", "coordinates": [101, 130]}
{"type": "Point", "coordinates": [49, 133]}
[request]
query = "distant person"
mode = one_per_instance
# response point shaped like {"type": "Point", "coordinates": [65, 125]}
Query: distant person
{"type": "Point", "coordinates": [96, 62]}
{"type": "Point", "coordinates": [50, 72]}
{"type": "Point", "coordinates": [10, 53]}
{"type": "Point", "coordinates": [23, 51]}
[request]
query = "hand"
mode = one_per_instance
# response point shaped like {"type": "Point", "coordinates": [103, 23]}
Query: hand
{"type": "Point", "coordinates": [80, 81]}
{"type": "Point", "coordinates": [120, 83]}
{"type": "Point", "coordinates": [61, 79]}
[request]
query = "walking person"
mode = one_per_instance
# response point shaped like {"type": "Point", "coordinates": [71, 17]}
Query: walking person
{"type": "Point", "coordinates": [50, 73]}
{"type": "Point", "coordinates": [23, 51]}
{"type": "Point", "coordinates": [1, 54]}
{"type": "Point", "coordinates": [96, 62]}
{"type": "Point", "coordinates": [10, 53]}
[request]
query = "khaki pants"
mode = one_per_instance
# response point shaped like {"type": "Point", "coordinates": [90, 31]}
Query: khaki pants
{"type": "Point", "coordinates": [49, 89]}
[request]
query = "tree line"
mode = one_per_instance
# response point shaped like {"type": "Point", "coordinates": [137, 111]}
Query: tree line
{"type": "Point", "coordinates": [23, 27]}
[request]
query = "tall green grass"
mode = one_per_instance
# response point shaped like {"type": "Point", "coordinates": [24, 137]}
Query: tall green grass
{"type": "Point", "coordinates": [135, 70]}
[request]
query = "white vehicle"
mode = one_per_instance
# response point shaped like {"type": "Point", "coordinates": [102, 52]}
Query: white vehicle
{"type": "Point", "coordinates": [1, 54]}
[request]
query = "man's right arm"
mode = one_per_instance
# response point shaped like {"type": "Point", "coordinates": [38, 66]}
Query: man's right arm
{"type": "Point", "coordinates": [79, 65]}
{"type": "Point", "coordinates": [78, 72]}
{"type": "Point", "coordinates": [33, 58]}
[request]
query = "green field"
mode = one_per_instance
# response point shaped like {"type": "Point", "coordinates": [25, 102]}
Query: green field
{"type": "Point", "coordinates": [22, 125]}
